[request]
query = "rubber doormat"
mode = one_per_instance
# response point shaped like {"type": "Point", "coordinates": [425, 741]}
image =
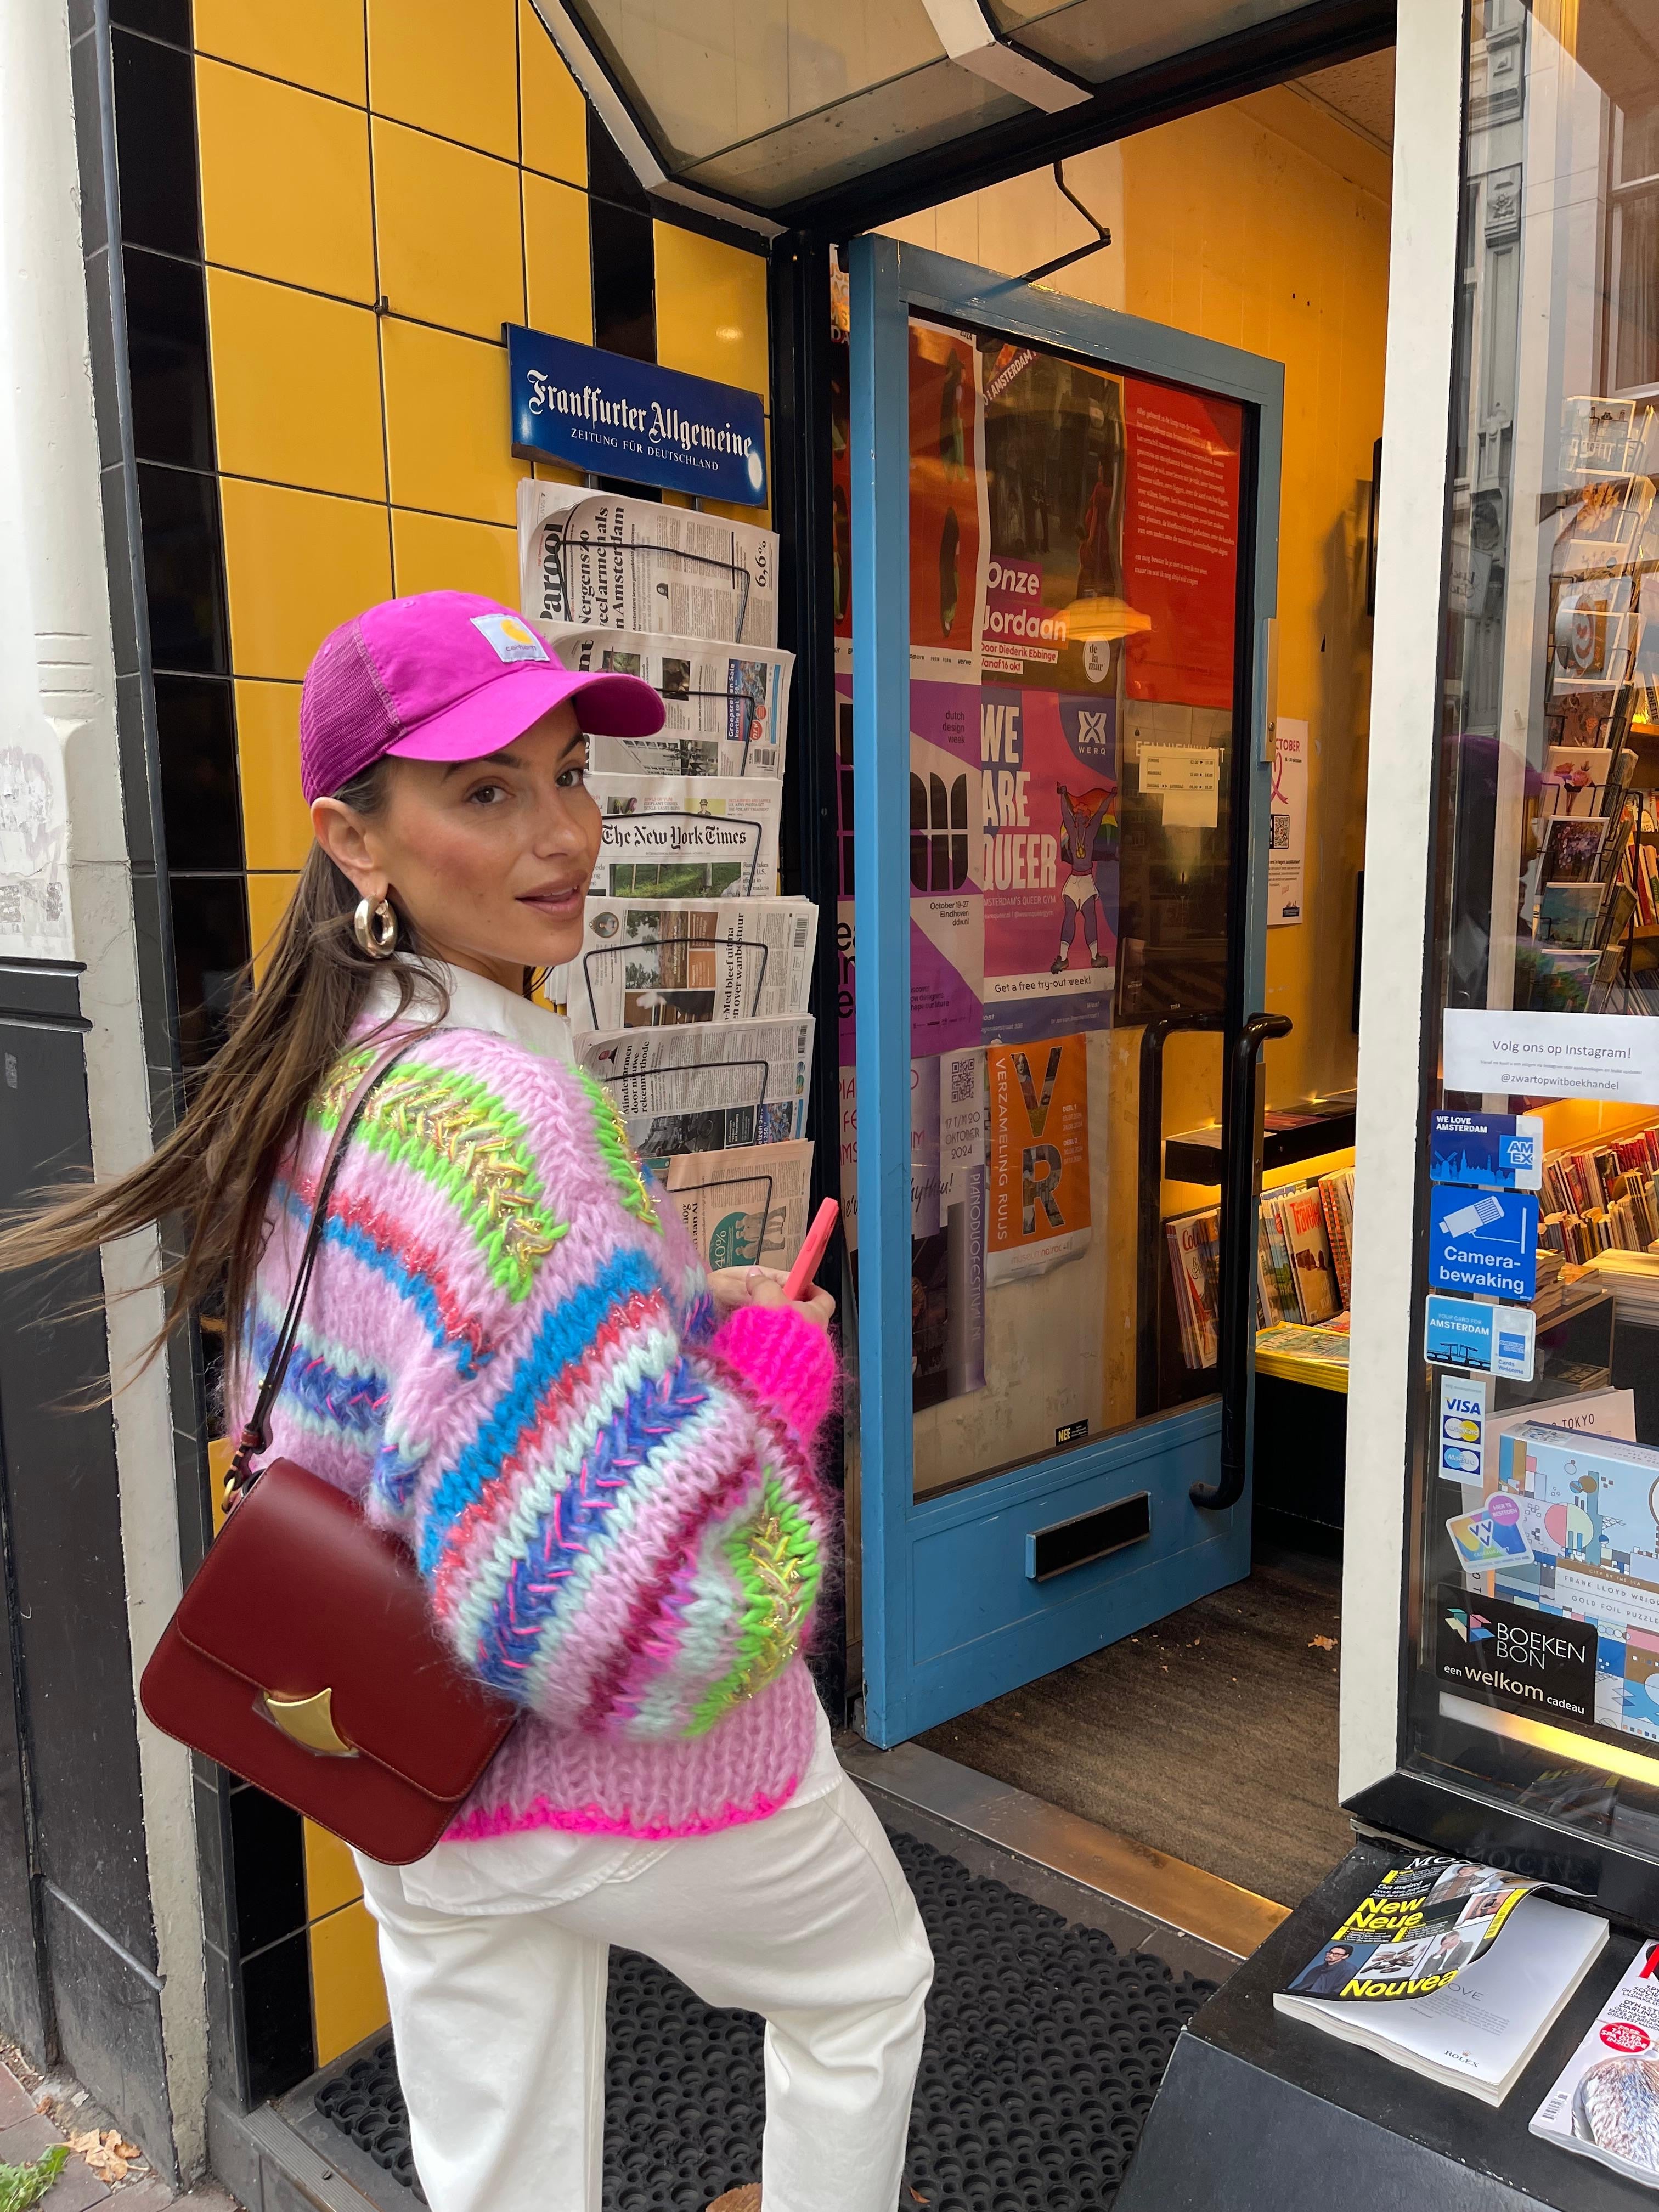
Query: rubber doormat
{"type": "Point", "coordinates": [1045, 2047]}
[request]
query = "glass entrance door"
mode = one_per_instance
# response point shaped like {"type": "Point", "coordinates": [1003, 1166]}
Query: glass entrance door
{"type": "Point", "coordinates": [1061, 526]}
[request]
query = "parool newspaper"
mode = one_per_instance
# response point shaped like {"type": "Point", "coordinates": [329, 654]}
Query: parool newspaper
{"type": "Point", "coordinates": [589, 560]}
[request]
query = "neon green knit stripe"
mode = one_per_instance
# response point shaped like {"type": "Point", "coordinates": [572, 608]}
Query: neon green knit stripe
{"type": "Point", "coordinates": [776, 1561]}
{"type": "Point", "coordinates": [620, 1163]}
{"type": "Point", "coordinates": [453, 1130]}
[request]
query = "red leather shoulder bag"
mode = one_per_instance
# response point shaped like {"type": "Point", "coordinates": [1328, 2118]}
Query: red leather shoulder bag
{"type": "Point", "coordinates": [304, 1655]}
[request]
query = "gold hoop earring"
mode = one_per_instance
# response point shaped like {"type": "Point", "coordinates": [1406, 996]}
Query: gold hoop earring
{"type": "Point", "coordinates": [375, 928]}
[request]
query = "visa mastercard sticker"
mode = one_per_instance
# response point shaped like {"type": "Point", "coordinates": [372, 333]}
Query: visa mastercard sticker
{"type": "Point", "coordinates": [1463, 1407]}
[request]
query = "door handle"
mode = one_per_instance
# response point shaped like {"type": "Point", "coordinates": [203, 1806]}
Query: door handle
{"type": "Point", "coordinates": [1149, 1242]}
{"type": "Point", "coordinates": [1241, 1159]}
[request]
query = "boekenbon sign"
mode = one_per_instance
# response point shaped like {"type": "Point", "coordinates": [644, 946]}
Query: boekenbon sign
{"type": "Point", "coordinates": [611, 417]}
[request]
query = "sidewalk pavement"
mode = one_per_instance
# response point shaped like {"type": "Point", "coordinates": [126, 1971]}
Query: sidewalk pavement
{"type": "Point", "coordinates": [28, 2129]}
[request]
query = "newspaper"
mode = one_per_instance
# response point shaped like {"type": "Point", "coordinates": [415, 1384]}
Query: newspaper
{"type": "Point", "coordinates": [686, 837]}
{"type": "Point", "coordinates": [588, 560]}
{"type": "Point", "coordinates": [746, 1205]}
{"type": "Point", "coordinates": [690, 960]}
{"type": "Point", "coordinates": [728, 706]}
{"type": "Point", "coordinates": [1422, 1924]}
{"type": "Point", "coordinates": [706, 1089]}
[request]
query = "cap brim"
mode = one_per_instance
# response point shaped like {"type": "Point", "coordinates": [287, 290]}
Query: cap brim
{"type": "Point", "coordinates": [607, 705]}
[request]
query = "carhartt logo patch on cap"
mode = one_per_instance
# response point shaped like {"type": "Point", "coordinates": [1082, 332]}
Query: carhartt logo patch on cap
{"type": "Point", "coordinates": [511, 639]}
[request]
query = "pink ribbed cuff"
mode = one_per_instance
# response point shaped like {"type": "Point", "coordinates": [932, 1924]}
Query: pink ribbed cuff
{"type": "Point", "coordinates": [786, 1362]}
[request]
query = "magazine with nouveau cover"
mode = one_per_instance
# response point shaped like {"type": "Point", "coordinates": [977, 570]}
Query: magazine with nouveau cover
{"type": "Point", "coordinates": [726, 707]}
{"type": "Point", "coordinates": [591, 560]}
{"type": "Point", "coordinates": [1479, 2030]}
{"type": "Point", "coordinates": [647, 964]}
{"type": "Point", "coordinates": [704, 1087]}
{"type": "Point", "coordinates": [1605, 2103]}
{"type": "Point", "coordinates": [1421, 1924]}
{"type": "Point", "coordinates": [681, 836]}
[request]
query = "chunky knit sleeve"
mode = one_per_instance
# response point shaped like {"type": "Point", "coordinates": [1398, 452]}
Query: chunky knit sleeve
{"type": "Point", "coordinates": [614, 1507]}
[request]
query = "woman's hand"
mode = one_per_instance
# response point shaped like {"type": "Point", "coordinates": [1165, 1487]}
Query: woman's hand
{"type": "Point", "coordinates": [763, 1286]}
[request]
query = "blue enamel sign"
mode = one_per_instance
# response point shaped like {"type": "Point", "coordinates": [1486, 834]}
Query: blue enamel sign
{"type": "Point", "coordinates": [611, 417]}
{"type": "Point", "coordinates": [1492, 1340]}
{"type": "Point", "coordinates": [1500, 1151]}
{"type": "Point", "coordinates": [1483, 1241]}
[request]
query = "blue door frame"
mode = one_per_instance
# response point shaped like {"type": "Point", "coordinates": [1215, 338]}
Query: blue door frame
{"type": "Point", "coordinates": [952, 1615]}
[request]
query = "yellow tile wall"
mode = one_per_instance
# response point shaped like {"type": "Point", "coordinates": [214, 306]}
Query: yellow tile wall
{"type": "Point", "coordinates": [347, 1996]}
{"type": "Point", "coordinates": [384, 184]}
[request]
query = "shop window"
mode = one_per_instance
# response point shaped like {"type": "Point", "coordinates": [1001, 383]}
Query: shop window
{"type": "Point", "coordinates": [1534, 1636]}
{"type": "Point", "coordinates": [1633, 316]}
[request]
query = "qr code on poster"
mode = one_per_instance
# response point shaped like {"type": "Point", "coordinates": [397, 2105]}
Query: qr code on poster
{"type": "Point", "coordinates": [1281, 832]}
{"type": "Point", "coordinates": [962, 1073]}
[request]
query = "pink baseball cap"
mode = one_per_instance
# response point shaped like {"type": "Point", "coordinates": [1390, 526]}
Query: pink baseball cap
{"type": "Point", "coordinates": [446, 676]}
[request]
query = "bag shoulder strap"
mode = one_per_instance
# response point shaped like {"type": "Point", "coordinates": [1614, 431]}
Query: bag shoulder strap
{"type": "Point", "coordinates": [256, 1435]}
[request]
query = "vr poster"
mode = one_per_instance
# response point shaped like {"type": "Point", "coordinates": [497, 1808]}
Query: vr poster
{"type": "Point", "coordinates": [1037, 1206]}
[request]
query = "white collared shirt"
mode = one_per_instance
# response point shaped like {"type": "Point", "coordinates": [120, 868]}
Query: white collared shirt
{"type": "Point", "coordinates": [474, 1003]}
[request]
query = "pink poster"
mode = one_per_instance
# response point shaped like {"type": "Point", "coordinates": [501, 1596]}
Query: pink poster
{"type": "Point", "coordinates": [1050, 865]}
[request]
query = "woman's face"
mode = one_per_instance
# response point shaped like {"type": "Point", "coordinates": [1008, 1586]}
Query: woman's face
{"type": "Point", "coordinates": [489, 860]}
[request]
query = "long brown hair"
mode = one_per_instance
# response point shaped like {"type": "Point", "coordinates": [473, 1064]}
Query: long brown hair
{"type": "Point", "coordinates": [214, 1172]}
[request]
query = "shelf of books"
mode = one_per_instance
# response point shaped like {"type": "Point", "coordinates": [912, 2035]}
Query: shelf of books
{"type": "Point", "coordinates": [1302, 1275]}
{"type": "Point", "coordinates": [689, 997]}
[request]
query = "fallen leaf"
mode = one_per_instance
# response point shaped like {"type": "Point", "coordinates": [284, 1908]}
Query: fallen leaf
{"type": "Point", "coordinates": [1322, 1643]}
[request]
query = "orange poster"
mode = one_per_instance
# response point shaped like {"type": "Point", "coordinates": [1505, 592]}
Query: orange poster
{"type": "Point", "coordinates": [1037, 1208]}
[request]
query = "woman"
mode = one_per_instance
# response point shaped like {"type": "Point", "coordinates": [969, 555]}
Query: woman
{"type": "Point", "coordinates": [510, 1355]}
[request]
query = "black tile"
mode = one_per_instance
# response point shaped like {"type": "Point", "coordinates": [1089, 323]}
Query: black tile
{"type": "Point", "coordinates": [212, 1866]}
{"type": "Point", "coordinates": [624, 253]}
{"type": "Point", "coordinates": [167, 359]}
{"type": "Point", "coordinates": [89, 91]}
{"type": "Point", "coordinates": [608, 173]}
{"type": "Point", "coordinates": [157, 19]}
{"type": "Point", "coordinates": [268, 1873]}
{"type": "Point", "coordinates": [106, 375]}
{"type": "Point", "coordinates": [120, 561]}
{"type": "Point", "coordinates": [201, 802]}
{"type": "Point", "coordinates": [282, 2047]}
{"type": "Point", "coordinates": [155, 146]}
{"type": "Point", "coordinates": [135, 737]}
{"type": "Point", "coordinates": [184, 570]}
{"type": "Point", "coordinates": [152, 919]}
{"type": "Point", "coordinates": [210, 948]}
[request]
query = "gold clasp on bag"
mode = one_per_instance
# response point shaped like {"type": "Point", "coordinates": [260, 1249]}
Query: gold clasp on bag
{"type": "Point", "coordinates": [309, 1721]}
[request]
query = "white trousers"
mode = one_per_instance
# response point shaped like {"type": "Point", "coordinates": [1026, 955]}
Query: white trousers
{"type": "Point", "coordinates": [497, 1989]}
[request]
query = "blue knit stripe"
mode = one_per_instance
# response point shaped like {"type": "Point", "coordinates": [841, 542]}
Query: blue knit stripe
{"type": "Point", "coordinates": [576, 1523]}
{"type": "Point", "coordinates": [562, 1337]}
{"type": "Point", "coordinates": [410, 1283]}
{"type": "Point", "coordinates": [354, 1404]}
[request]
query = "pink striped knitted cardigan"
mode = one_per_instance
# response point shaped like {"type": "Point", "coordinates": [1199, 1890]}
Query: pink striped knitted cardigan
{"type": "Point", "coordinates": [509, 1354]}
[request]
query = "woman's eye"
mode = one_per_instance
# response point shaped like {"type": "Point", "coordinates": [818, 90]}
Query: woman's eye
{"type": "Point", "coordinates": [572, 778]}
{"type": "Point", "coordinates": [486, 794]}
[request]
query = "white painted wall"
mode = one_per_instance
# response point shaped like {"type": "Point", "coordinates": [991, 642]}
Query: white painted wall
{"type": "Point", "coordinates": [1422, 284]}
{"type": "Point", "coordinates": [57, 687]}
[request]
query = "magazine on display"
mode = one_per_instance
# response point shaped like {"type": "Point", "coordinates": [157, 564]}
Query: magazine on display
{"type": "Point", "coordinates": [589, 560]}
{"type": "Point", "coordinates": [745, 1206]}
{"type": "Point", "coordinates": [651, 964]}
{"type": "Point", "coordinates": [727, 707]}
{"type": "Point", "coordinates": [701, 1089]}
{"type": "Point", "coordinates": [1605, 2106]}
{"type": "Point", "coordinates": [677, 836]}
{"type": "Point", "coordinates": [1453, 1970]}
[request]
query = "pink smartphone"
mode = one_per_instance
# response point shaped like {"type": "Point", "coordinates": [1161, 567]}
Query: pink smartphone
{"type": "Point", "coordinates": [806, 1260]}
